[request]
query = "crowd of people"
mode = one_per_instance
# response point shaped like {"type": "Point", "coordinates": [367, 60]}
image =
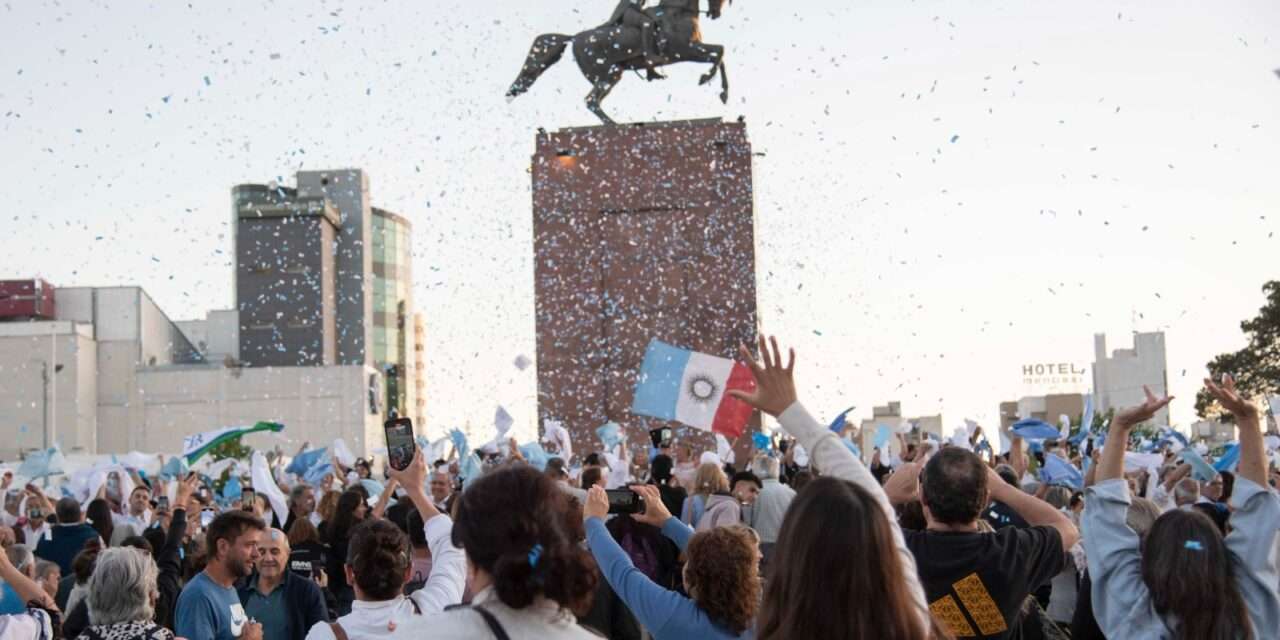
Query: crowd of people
{"type": "Point", "coordinates": [806, 541]}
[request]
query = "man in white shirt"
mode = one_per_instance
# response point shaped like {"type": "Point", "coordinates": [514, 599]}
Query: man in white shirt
{"type": "Point", "coordinates": [37, 527]}
{"type": "Point", "coordinates": [12, 508]}
{"type": "Point", "coordinates": [139, 513]}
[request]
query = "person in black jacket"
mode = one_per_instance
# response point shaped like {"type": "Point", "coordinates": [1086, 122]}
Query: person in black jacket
{"type": "Point", "coordinates": [168, 560]}
{"type": "Point", "coordinates": [286, 604]}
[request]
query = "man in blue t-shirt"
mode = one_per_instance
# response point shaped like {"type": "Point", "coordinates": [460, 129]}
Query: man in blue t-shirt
{"type": "Point", "coordinates": [209, 608]}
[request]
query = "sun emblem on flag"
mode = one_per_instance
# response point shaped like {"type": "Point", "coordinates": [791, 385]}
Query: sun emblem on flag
{"type": "Point", "coordinates": [702, 388]}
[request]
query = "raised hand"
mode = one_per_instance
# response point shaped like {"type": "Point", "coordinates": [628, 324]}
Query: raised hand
{"type": "Point", "coordinates": [655, 512]}
{"type": "Point", "coordinates": [775, 384]}
{"type": "Point", "coordinates": [1143, 412]}
{"type": "Point", "coordinates": [414, 476]}
{"type": "Point", "coordinates": [597, 505]}
{"type": "Point", "coordinates": [1230, 399]}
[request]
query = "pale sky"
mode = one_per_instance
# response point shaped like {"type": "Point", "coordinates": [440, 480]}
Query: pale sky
{"type": "Point", "coordinates": [1113, 168]}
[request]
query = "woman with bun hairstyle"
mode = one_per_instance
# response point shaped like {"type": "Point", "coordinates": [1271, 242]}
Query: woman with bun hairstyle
{"type": "Point", "coordinates": [529, 576]}
{"type": "Point", "coordinates": [378, 564]}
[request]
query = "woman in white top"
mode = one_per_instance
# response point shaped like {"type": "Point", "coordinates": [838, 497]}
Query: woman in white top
{"type": "Point", "coordinates": [518, 530]}
{"type": "Point", "coordinates": [378, 564]}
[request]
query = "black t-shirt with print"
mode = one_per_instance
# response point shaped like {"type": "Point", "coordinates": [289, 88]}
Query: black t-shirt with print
{"type": "Point", "coordinates": [976, 582]}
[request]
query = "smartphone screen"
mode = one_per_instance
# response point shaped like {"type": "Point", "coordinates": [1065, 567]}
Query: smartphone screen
{"type": "Point", "coordinates": [624, 501]}
{"type": "Point", "coordinates": [206, 517]}
{"type": "Point", "coordinates": [400, 445]}
{"type": "Point", "coordinates": [162, 503]}
{"type": "Point", "coordinates": [661, 437]}
{"type": "Point", "coordinates": [248, 500]}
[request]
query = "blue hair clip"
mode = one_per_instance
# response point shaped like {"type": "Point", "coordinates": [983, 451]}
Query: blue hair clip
{"type": "Point", "coordinates": [534, 554]}
{"type": "Point", "coordinates": [1194, 545]}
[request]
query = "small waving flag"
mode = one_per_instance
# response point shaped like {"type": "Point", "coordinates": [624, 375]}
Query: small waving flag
{"type": "Point", "coordinates": [42, 464]}
{"type": "Point", "coordinates": [1032, 429]}
{"type": "Point", "coordinates": [303, 462]}
{"type": "Point", "coordinates": [1230, 459]}
{"type": "Point", "coordinates": [841, 420]}
{"type": "Point", "coordinates": [692, 388]}
{"type": "Point", "coordinates": [1199, 468]}
{"type": "Point", "coordinates": [1059, 471]}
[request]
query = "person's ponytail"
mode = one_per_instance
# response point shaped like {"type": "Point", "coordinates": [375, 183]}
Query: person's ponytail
{"type": "Point", "coordinates": [517, 526]}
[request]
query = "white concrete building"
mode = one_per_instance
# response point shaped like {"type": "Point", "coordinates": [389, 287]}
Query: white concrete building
{"type": "Point", "coordinates": [1213, 432]}
{"type": "Point", "coordinates": [121, 377]}
{"type": "Point", "coordinates": [890, 415]}
{"type": "Point", "coordinates": [1118, 379]}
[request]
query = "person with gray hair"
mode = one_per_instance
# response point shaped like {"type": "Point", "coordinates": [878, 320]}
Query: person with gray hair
{"type": "Point", "coordinates": [122, 597]}
{"type": "Point", "coordinates": [24, 561]}
{"type": "Point", "coordinates": [771, 505]}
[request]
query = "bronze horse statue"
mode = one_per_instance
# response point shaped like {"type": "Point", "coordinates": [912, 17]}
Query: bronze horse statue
{"type": "Point", "coordinates": [635, 38]}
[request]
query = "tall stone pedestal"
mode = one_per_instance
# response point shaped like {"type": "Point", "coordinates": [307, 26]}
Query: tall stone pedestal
{"type": "Point", "coordinates": [640, 232]}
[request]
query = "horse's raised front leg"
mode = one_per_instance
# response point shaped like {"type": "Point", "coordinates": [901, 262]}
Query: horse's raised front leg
{"type": "Point", "coordinates": [724, 83]}
{"type": "Point", "coordinates": [714, 54]}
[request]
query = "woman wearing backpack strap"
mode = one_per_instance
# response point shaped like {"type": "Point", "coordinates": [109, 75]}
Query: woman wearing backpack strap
{"type": "Point", "coordinates": [378, 564]}
{"type": "Point", "coordinates": [530, 576]}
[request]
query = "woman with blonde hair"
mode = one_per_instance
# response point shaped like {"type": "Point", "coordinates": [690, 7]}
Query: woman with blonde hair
{"type": "Point", "coordinates": [708, 481]}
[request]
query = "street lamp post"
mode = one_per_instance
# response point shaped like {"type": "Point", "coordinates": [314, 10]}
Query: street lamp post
{"type": "Point", "coordinates": [45, 406]}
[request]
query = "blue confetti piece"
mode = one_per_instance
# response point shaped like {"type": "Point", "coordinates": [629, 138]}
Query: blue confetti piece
{"type": "Point", "coordinates": [1194, 545]}
{"type": "Point", "coordinates": [207, 82]}
{"type": "Point", "coordinates": [954, 138]}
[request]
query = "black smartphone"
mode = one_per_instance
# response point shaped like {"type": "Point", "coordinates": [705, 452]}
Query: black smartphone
{"type": "Point", "coordinates": [661, 437]}
{"type": "Point", "coordinates": [162, 503]}
{"type": "Point", "coordinates": [625, 501]}
{"type": "Point", "coordinates": [400, 445]}
{"type": "Point", "coordinates": [248, 499]}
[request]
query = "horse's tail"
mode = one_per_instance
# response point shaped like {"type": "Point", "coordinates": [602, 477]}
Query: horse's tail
{"type": "Point", "coordinates": [547, 50]}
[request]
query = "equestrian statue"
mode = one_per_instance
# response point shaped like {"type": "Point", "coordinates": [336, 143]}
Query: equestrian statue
{"type": "Point", "coordinates": [636, 38]}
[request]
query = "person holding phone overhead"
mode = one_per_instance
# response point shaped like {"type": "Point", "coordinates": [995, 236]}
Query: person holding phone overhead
{"type": "Point", "coordinates": [722, 556]}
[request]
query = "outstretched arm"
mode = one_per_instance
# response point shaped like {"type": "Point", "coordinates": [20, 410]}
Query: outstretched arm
{"type": "Point", "coordinates": [1112, 465]}
{"type": "Point", "coordinates": [775, 394]}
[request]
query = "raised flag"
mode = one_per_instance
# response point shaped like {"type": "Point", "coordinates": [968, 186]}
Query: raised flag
{"type": "Point", "coordinates": [1230, 459]}
{"type": "Point", "coordinates": [1200, 469]}
{"type": "Point", "coordinates": [1032, 429]}
{"type": "Point", "coordinates": [1059, 471]}
{"type": "Point", "coordinates": [197, 445]}
{"type": "Point", "coordinates": [303, 462]}
{"type": "Point", "coordinates": [841, 420]}
{"type": "Point", "coordinates": [692, 388]}
{"type": "Point", "coordinates": [42, 464]}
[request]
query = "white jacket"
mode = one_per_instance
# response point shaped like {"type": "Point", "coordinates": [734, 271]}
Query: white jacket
{"type": "Point", "coordinates": [369, 620]}
{"type": "Point", "coordinates": [834, 460]}
{"type": "Point", "coordinates": [542, 620]}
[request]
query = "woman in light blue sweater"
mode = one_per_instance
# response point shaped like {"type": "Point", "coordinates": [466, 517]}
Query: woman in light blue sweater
{"type": "Point", "coordinates": [721, 574]}
{"type": "Point", "coordinates": [1185, 580]}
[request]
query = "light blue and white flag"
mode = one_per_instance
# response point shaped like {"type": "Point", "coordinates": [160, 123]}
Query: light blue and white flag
{"type": "Point", "coordinates": [1032, 429]}
{"type": "Point", "coordinates": [303, 462]}
{"type": "Point", "coordinates": [42, 464]}
{"type": "Point", "coordinates": [1230, 459]}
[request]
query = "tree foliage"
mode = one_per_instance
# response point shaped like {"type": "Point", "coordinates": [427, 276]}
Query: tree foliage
{"type": "Point", "coordinates": [1256, 367]}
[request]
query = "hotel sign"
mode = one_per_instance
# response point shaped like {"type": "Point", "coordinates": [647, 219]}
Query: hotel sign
{"type": "Point", "coordinates": [1054, 377]}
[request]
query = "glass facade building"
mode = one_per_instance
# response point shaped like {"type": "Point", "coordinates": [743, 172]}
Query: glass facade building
{"type": "Point", "coordinates": [393, 326]}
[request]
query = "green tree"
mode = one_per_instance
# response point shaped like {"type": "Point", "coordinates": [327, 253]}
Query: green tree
{"type": "Point", "coordinates": [1256, 367]}
{"type": "Point", "coordinates": [229, 448]}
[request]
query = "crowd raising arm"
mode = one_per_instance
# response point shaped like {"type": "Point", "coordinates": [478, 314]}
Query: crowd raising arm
{"type": "Point", "coordinates": [775, 394]}
{"type": "Point", "coordinates": [1119, 592]}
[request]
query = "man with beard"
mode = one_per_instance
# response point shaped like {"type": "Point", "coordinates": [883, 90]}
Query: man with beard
{"type": "Point", "coordinates": [209, 607]}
